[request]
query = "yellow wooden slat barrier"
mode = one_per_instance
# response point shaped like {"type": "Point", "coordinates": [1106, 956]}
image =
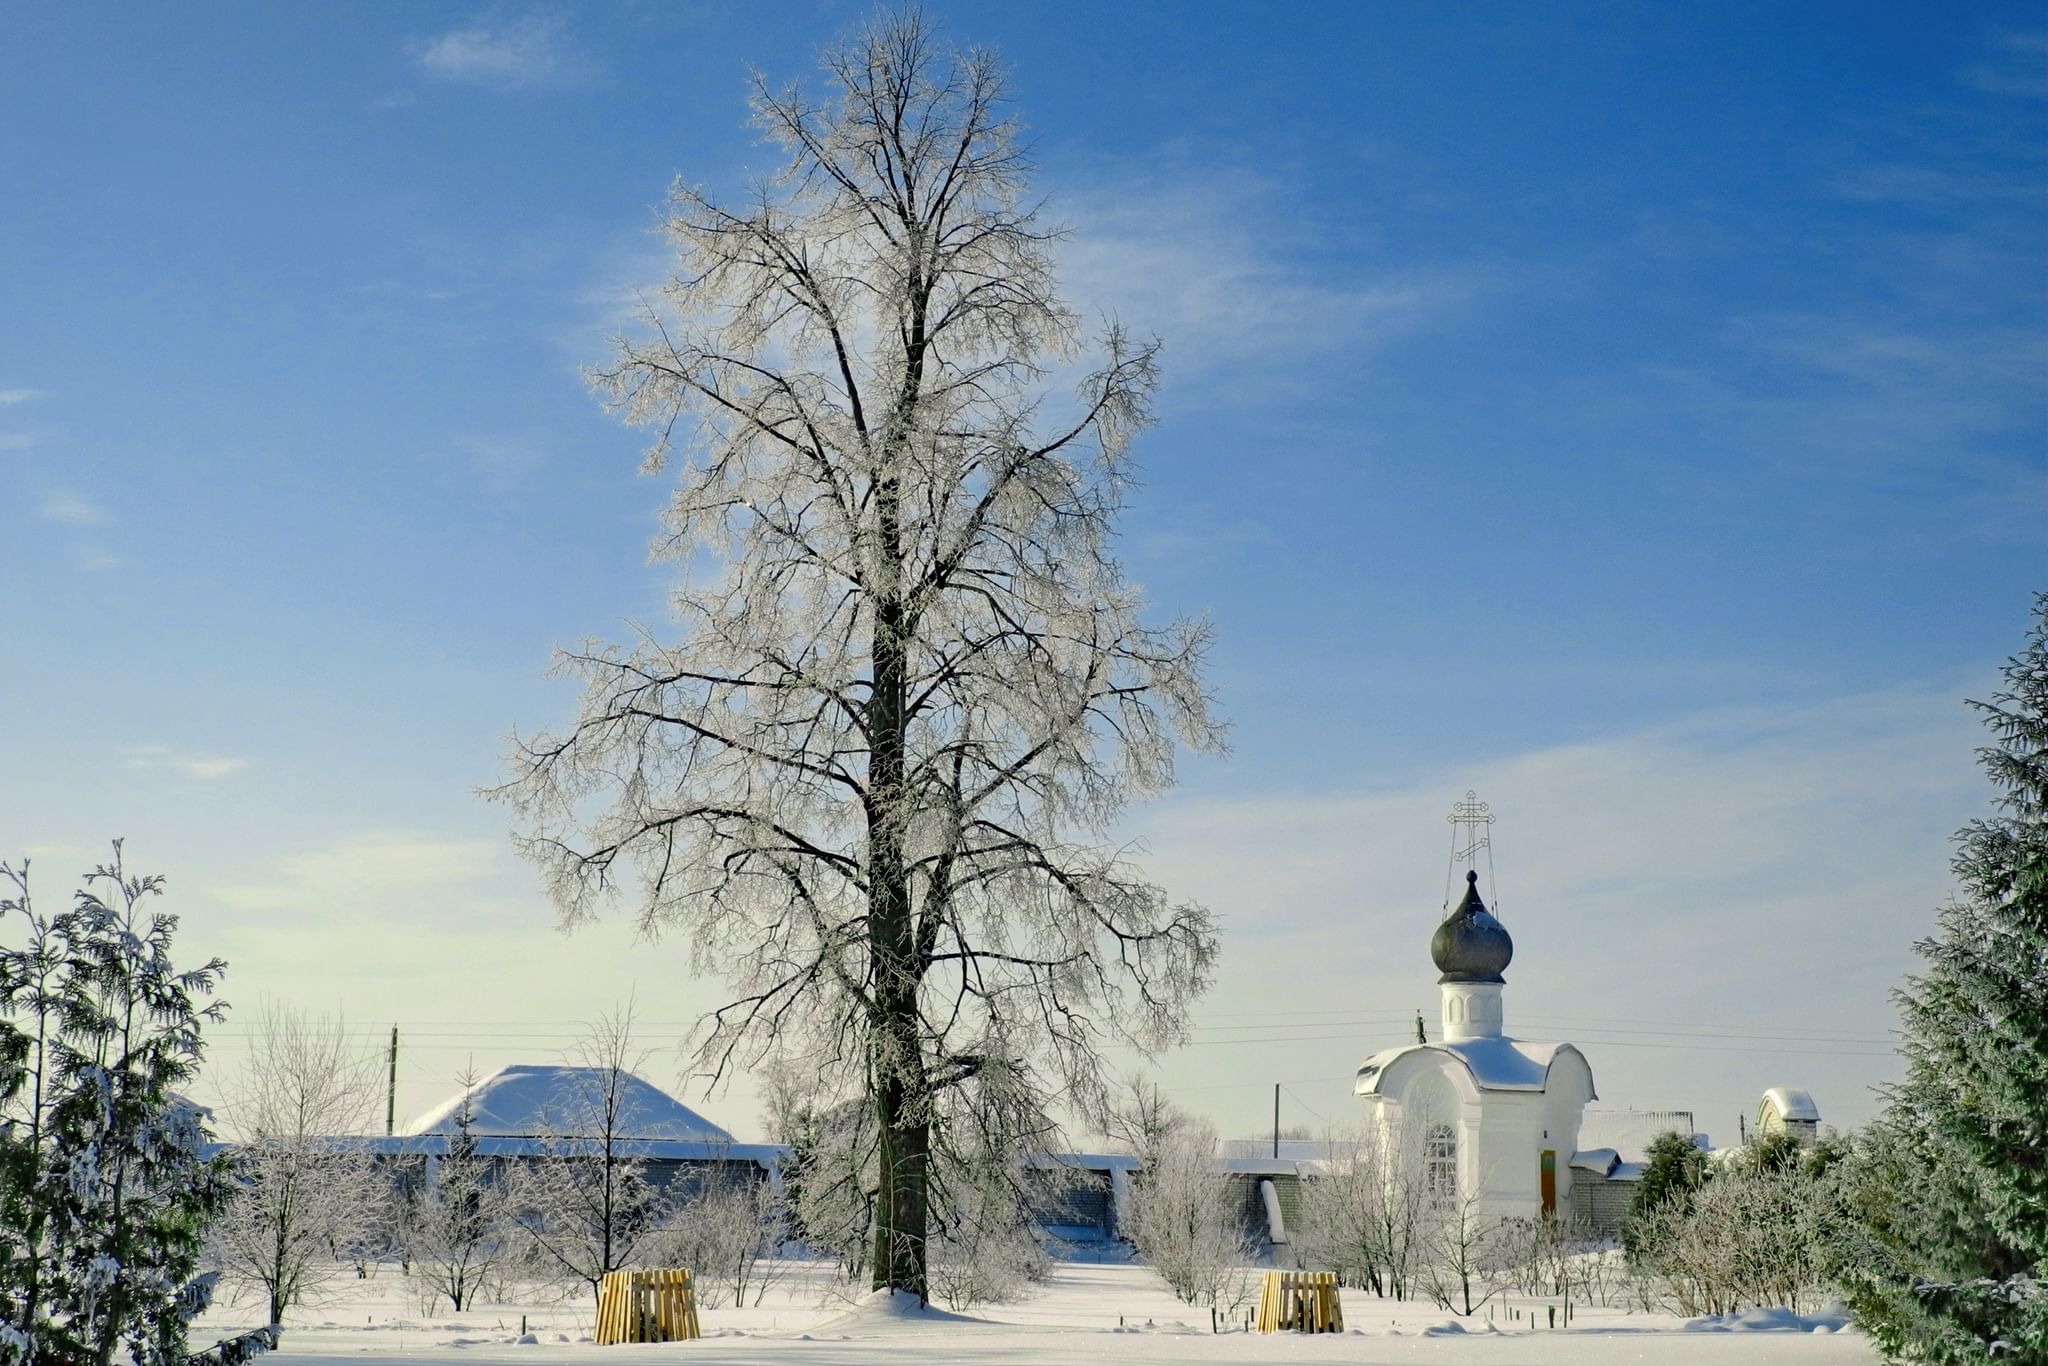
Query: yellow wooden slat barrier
{"type": "Point", "coordinates": [1301, 1302]}
{"type": "Point", "coordinates": [646, 1306]}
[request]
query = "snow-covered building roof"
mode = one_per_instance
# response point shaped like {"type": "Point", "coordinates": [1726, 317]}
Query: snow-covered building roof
{"type": "Point", "coordinates": [1629, 1132]}
{"type": "Point", "coordinates": [1498, 1063]}
{"type": "Point", "coordinates": [529, 1101]}
{"type": "Point", "coordinates": [1792, 1104]}
{"type": "Point", "coordinates": [1601, 1160]}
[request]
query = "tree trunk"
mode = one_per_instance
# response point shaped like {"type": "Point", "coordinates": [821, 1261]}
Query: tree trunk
{"type": "Point", "coordinates": [900, 1208]}
{"type": "Point", "coordinates": [897, 1052]}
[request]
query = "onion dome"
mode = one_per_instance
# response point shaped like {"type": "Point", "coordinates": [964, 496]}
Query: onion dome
{"type": "Point", "coordinates": [1471, 946]}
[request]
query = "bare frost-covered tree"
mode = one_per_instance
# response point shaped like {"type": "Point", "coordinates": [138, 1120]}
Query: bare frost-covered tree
{"type": "Point", "coordinates": [586, 1206]}
{"type": "Point", "coordinates": [455, 1229]}
{"type": "Point", "coordinates": [303, 1192]}
{"type": "Point", "coordinates": [1367, 1211]}
{"type": "Point", "coordinates": [873, 779]}
{"type": "Point", "coordinates": [1185, 1221]}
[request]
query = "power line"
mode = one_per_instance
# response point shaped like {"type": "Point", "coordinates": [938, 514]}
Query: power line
{"type": "Point", "coordinates": [1328, 1123]}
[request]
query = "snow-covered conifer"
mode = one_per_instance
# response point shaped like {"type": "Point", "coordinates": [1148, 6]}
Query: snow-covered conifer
{"type": "Point", "coordinates": [1963, 1238]}
{"type": "Point", "coordinates": [104, 1189]}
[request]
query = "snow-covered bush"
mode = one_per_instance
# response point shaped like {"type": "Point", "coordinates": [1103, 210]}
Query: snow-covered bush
{"type": "Point", "coordinates": [587, 1207]}
{"type": "Point", "coordinates": [104, 1194]}
{"type": "Point", "coordinates": [1552, 1257]}
{"type": "Point", "coordinates": [725, 1233]}
{"type": "Point", "coordinates": [1184, 1220]}
{"type": "Point", "coordinates": [1756, 1233]}
{"type": "Point", "coordinates": [1363, 1215]}
{"type": "Point", "coordinates": [1467, 1257]}
{"type": "Point", "coordinates": [985, 1248]}
{"type": "Point", "coordinates": [828, 1178]}
{"type": "Point", "coordinates": [1674, 1166]}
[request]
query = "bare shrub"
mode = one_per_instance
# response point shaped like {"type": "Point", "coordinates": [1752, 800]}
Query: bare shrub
{"type": "Point", "coordinates": [1468, 1258]}
{"type": "Point", "coordinates": [1185, 1220]}
{"type": "Point", "coordinates": [727, 1233]}
{"type": "Point", "coordinates": [1752, 1235]}
{"type": "Point", "coordinates": [585, 1206]}
{"type": "Point", "coordinates": [1364, 1214]}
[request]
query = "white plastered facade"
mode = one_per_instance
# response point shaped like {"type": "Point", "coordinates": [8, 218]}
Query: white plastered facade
{"type": "Point", "coordinates": [1507, 1101]}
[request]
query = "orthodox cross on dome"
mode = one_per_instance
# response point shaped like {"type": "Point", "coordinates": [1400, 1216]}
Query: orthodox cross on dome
{"type": "Point", "coordinates": [1471, 837]}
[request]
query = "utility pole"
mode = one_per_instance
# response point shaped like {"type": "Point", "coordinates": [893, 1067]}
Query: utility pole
{"type": "Point", "coordinates": [391, 1089]}
{"type": "Point", "coordinates": [1276, 1119]}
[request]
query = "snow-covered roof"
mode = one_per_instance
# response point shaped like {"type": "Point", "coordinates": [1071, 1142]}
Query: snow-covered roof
{"type": "Point", "coordinates": [1792, 1103]}
{"type": "Point", "coordinates": [1496, 1064]}
{"type": "Point", "coordinates": [527, 1101]}
{"type": "Point", "coordinates": [1602, 1160]}
{"type": "Point", "coordinates": [765, 1155]}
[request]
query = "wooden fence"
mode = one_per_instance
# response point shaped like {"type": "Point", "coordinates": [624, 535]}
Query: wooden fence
{"type": "Point", "coordinates": [1300, 1301]}
{"type": "Point", "coordinates": [646, 1306]}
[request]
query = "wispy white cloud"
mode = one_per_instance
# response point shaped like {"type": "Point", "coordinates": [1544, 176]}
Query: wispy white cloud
{"type": "Point", "coordinates": [205, 767]}
{"type": "Point", "coordinates": [1198, 535]}
{"type": "Point", "coordinates": [71, 510]}
{"type": "Point", "coordinates": [531, 51]}
{"type": "Point", "coordinates": [2017, 64]}
{"type": "Point", "coordinates": [16, 441]}
{"type": "Point", "coordinates": [1763, 868]}
{"type": "Point", "coordinates": [10, 397]}
{"type": "Point", "coordinates": [1215, 262]}
{"type": "Point", "coordinates": [1205, 262]}
{"type": "Point", "coordinates": [1917, 388]}
{"type": "Point", "coordinates": [1952, 186]}
{"type": "Point", "coordinates": [96, 559]}
{"type": "Point", "coordinates": [369, 873]}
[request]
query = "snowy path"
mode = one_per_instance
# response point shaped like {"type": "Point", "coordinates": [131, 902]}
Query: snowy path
{"type": "Point", "coordinates": [1001, 1346]}
{"type": "Point", "coordinates": [1073, 1320]}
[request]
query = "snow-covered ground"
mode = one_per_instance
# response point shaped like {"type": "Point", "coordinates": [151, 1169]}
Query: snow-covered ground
{"type": "Point", "coordinates": [1114, 1314]}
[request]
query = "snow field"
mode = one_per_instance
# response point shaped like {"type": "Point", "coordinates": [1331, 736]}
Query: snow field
{"type": "Point", "coordinates": [1109, 1313]}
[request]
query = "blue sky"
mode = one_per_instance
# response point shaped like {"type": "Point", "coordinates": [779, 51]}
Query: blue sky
{"type": "Point", "coordinates": [1634, 412]}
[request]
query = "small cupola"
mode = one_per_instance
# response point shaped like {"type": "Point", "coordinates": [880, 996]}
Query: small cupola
{"type": "Point", "coordinates": [1471, 946]}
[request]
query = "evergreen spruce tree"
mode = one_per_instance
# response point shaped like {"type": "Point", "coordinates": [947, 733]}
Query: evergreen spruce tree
{"type": "Point", "coordinates": [1673, 1169]}
{"type": "Point", "coordinates": [1962, 1237]}
{"type": "Point", "coordinates": [104, 1189]}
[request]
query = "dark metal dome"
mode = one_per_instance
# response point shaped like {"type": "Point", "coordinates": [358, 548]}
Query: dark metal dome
{"type": "Point", "coordinates": [1471, 946]}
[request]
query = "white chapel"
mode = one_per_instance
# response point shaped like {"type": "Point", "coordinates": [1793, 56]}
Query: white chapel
{"type": "Point", "coordinates": [1496, 1118]}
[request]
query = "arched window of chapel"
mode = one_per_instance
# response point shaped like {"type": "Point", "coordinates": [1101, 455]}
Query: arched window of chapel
{"type": "Point", "coordinates": [1440, 1163]}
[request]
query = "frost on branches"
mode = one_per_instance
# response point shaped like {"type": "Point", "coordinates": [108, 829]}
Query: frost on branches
{"type": "Point", "coordinates": [1962, 1240]}
{"type": "Point", "coordinates": [1180, 1214]}
{"type": "Point", "coordinates": [588, 1207]}
{"type": "Point", "coordinates": [870, 778]}
{"type": "Point", "coordinates": [104, 1194]}
{"type": "Point", "coordinates": [305, 1198]}
{"type": "Point", "coordinates": [456, 1227]}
